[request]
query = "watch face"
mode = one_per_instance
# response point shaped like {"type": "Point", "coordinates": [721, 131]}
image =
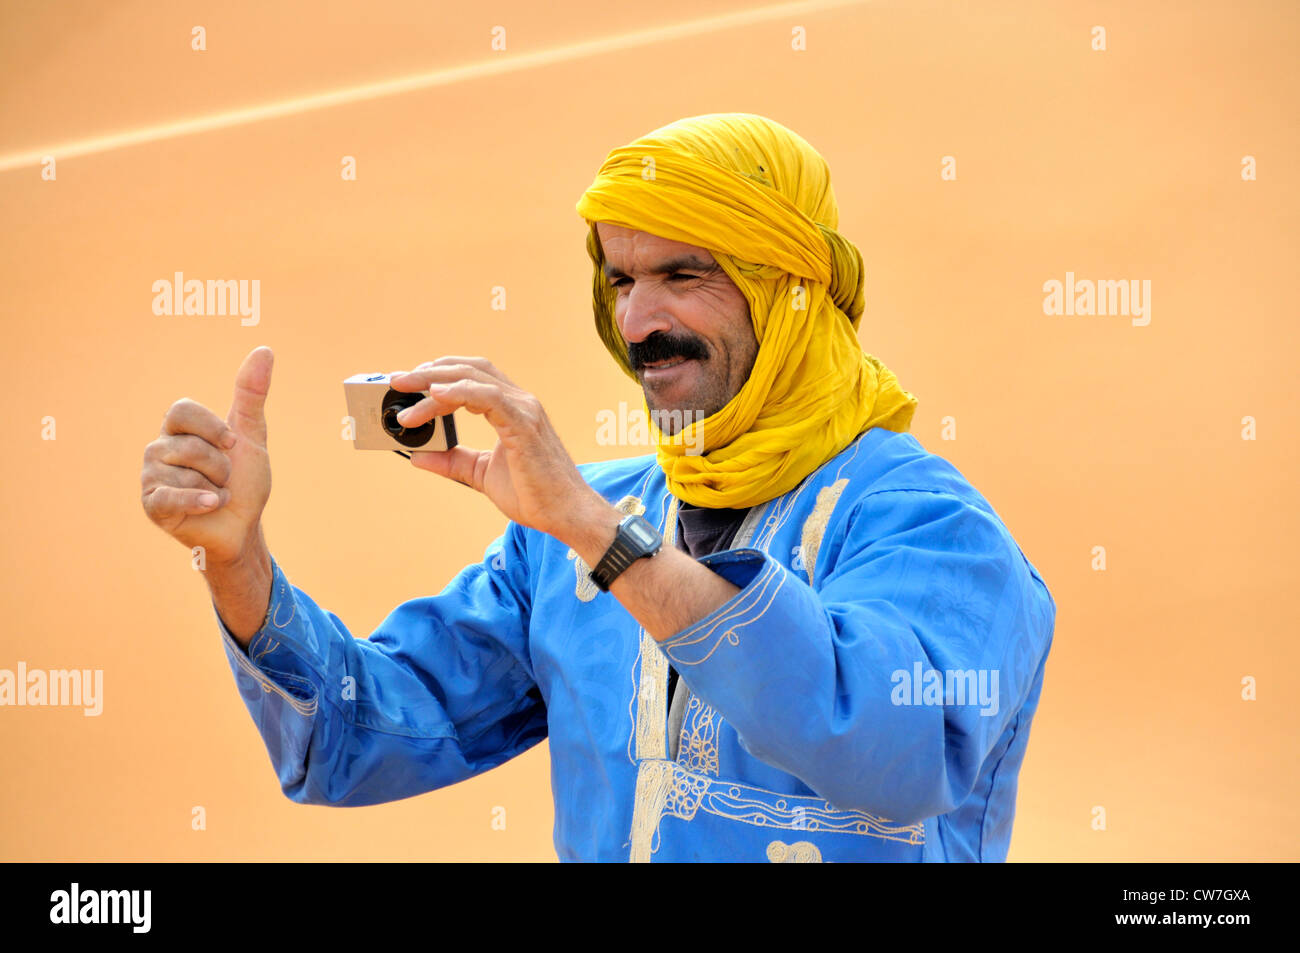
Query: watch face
{"type": "Point", "coordinates": [643, 533]}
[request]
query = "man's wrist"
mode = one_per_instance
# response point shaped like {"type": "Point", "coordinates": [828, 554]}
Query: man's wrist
{"type": "Point", "coordinates": [241, 590]}
{"type": "Point", "coordinates": [593, 528]}
{"type": "Point", "coordinates": [252, 555]}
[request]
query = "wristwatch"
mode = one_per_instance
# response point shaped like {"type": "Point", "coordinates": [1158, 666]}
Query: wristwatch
{"type": "Point", "coordinates": [636, 537]}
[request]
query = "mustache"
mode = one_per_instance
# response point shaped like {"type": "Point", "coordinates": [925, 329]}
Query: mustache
{"type": "Point", "coordinates": [661, 346]}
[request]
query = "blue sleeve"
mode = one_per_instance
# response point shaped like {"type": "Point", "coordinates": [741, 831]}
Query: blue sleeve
{"type": "Point", "coordinates": [837, 685]}
{"type": "Point", "coordinates": [441, 691]}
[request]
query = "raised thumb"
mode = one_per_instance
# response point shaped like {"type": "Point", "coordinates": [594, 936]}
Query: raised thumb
{"type": "Point", "coordinates": [247, 415]}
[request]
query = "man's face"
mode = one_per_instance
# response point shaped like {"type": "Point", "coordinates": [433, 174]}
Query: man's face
{"type": "Point", "coordinates": [689, 337]}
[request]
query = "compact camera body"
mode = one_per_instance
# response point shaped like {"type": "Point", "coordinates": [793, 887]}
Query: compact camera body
{"type": "Point", "coordinates": [373, 406]}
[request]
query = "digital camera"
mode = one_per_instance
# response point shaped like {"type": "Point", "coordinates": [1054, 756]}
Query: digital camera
{"type": "Point", "coordinates": [374, 406]}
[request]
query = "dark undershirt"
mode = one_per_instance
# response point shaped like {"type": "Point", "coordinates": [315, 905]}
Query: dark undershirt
{"type": "Point", "coordinates": [701, 531]}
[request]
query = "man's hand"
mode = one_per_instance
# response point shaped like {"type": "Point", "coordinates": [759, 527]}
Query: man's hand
{"type": "Point", "coordinates": [529, 475]}
{"type": "Point", "coordinates": [206, 481]}
{"type": "Point", "coordinates": [532, 480]}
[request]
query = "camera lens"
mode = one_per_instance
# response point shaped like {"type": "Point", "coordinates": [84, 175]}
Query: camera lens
{"type": "Point", "coordinates": [390, 420]}
{"type": "Point", "coordinates": [395, 402]}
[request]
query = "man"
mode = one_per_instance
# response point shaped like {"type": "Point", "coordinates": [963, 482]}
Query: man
{"type": "Point", "coordinates": [790, 634]}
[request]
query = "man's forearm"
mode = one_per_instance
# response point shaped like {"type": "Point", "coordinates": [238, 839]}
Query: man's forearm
{"type": "Point", "coordinates": [666, 593]}
{"type": "Point", "coordinates": [241, 590]}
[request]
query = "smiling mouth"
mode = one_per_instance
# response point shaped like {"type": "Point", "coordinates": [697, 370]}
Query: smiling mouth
{"type": "Point", "coordinates": [660, 365]}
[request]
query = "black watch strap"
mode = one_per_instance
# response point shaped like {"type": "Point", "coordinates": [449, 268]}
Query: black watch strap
{"type": "Point", "coordinates": [636, 537]}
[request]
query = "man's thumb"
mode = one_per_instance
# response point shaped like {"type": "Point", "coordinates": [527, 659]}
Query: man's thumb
{"type": "Point", "coordinates": [247, 412]}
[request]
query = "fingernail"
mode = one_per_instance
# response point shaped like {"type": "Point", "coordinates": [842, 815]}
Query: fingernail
{"type": "Point", "coordinates": [404, 415]}
{"type": "Point", "coordinates": [207, 499]}
{"type": "Point", "coordinates": [228, 440]}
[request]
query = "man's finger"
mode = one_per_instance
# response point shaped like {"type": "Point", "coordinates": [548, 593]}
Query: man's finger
{"type": "Point", "coordinates": [482, 363]}
{"type": "Point", "coordinates": [420, 379]}
{"type": "Point", "coordinates": [462, 464]}
{"type": "Point", "coordinates": [434, 405]}
{"type": "Point", "coordinates": [189, 416]}
{"type": "Point", "coordinates": [487, 370]}
{"type": "Point", "coordinates": [247, 415]}
{"type": "Point", "coordinates": [509, 414]}
{"type": "Point", "coordinates": [167, 502]}
{"type": "Point", "coordinates": [195, 453]}
{"type": "Point", "coordinates": [424, 411]}
{"type": "Point", "coordinates": [182, 477]}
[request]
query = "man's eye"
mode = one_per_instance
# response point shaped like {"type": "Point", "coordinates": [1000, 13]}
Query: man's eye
{"type": "Point", "coordinates": [618, 283]}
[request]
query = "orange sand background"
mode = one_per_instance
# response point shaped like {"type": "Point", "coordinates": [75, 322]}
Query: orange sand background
{"type": "Point", "coordinates": [1082, 431]}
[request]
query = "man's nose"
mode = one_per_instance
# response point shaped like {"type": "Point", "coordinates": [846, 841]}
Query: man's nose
{"type": "Point", "coordinates": [643, 314]}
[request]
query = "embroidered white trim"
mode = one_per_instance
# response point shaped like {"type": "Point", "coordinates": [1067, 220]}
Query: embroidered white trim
{"type": "Point", "coordinates": [652, 689]}
{"type": "Point", "coordinates": [665, 789]}
{"type": "Point", "coordinates": [653, 779]}
{"type": "Point", "coordinates": [814, 527]}
{"type": "Point", "coordinates": [800, 852]}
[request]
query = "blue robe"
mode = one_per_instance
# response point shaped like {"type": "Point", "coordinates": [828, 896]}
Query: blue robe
{"type": "Point", "coordinates": [867, 695]}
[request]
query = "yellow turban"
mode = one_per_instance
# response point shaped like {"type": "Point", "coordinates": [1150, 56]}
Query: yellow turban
{"type": "Point", "coordinates": [759, 199]}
